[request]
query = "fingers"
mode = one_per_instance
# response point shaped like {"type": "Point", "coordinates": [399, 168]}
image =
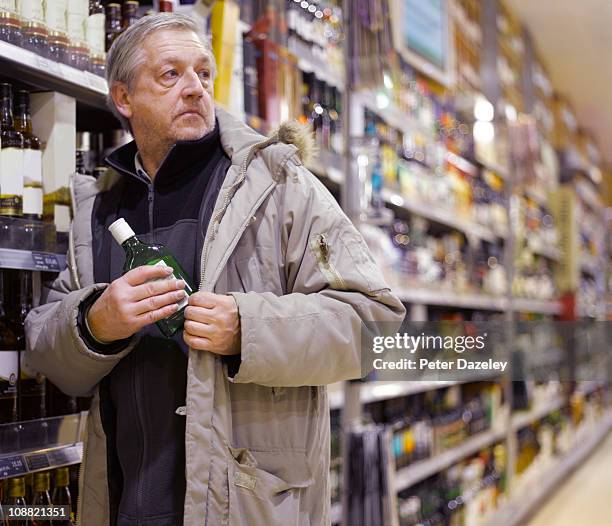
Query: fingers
{"type": "Point", "coordinates": [199, 314]}
{"type": "Point", "coordinates": [198, 343]}
{"type": "Point", "coordinates": [155, 288]}
{"type": "Point", "coordinates": [154, 303]}
{"type": "Point", "coordinates": [207, 300]}
{"type": "Point", "coordinates": [202, 330]}
{"type": "Point", "coordinates": [153, 316]}
{"type": "Point", "coordinates": [144, 273]}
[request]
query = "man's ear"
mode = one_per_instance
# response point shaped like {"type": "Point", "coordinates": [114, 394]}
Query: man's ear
{"type": "Point", "coordinates": [121, 98]}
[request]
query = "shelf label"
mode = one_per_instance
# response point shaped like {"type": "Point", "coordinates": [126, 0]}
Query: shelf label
{"type": "Point", "coordinates": [44, 261]}
{"type": "Point", "coordinates": [71, 74]}
{"type": "Point", "coordinates": [67, 455]}
{"type": "Point", "coordinates": [11, 466]}
{"type": "Point", "coordinates": [37, 461]}
{"type": "Point", "coordinates": [49, 66]}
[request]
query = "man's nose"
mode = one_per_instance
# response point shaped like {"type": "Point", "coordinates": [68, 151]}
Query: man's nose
{"type": "Point", "coordinates": [192, 84]}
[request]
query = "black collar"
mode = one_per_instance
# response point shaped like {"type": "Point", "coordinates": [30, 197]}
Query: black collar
{"type": "Point", "coordinates": [180, 160]}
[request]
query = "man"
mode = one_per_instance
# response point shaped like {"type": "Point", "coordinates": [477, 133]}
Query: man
{"type": "Point", "coordinates": [228, 421]}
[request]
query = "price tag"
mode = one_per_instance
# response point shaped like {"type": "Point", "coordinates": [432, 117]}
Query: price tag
{"type": "Point", "coordinates": [67, 455]}
{"type": "Point", "coordinates": [11, 466]}
{"type": "Point", "coordinates": [44, 261]}
{"type": "Point", "coordinates": [37, 461]}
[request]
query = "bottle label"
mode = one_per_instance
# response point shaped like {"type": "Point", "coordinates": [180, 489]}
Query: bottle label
{"type": "Point", "coordinates": [95, 32]}
{"type": "Point", "coordinates": [55, 15]}
{"type": "Point", "coordinates": [79, 7]}
{"type": "Point", "coordinates": [33, 200]}
{"type": "Point", "coordinates": [185, 301]}
{"type": "Point", "coordinates": [31, 10]}
{"type": "Point", "coordinates": [32, 167]}
{"type": "Point", "coordinates": [11, 181]}
{"type": "Point", "coordinates": [9, 370]}
{"type": "Point", "coordinates": [76, 26]}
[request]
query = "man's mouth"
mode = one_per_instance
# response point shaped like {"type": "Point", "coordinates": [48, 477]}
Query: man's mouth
{"type": "Point", "coordinates": [190, 113]}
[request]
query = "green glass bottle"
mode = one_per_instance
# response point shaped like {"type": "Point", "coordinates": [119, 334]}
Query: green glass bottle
{"type": "Point", "coordinates": [138, 254]}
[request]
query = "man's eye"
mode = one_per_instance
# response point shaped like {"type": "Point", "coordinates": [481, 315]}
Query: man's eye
{"type": "Point", "coordinates": [170, 74]}
{"type": "Point", "coordinates": [205, 74]}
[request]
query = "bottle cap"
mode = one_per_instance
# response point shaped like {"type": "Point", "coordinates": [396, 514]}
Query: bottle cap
{"type": "Point", "coordinates": [62, 476]}
{"type": "Point", "coordinates": [17, 487]}
{"type": "Point", "coordinates": [121, 231]}
{"type": "Point", "coordinates": [42, 481]}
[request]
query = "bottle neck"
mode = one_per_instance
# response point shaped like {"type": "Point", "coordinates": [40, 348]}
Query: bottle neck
{"type": "Point", "coordinates": [129, 245]}
{"type": "Point", "coordinates": [23, 120]}
{"type": "Point", "coordinates": [6, 114]}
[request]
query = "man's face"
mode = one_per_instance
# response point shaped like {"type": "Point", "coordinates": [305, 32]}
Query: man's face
{"type": "Point", "coordinates": [172, 96]}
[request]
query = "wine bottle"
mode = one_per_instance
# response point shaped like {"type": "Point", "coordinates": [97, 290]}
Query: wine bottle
{"type": "Point", "coordinates": [42, 485]}
{"type": "Point", "coordinates": [32, 158]}
{"type": "Point", "coordinates": [11, 157]}
{"type": "Point", "coordinates": [138, 253]}
{"type": "Point", "coordinates": [62, 496]}
{"type": "Point", "coordinates": [16, 497]}
{"type": "Point", "coordinates": [9, 364]}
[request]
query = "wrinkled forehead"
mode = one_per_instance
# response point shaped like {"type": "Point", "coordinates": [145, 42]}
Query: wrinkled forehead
{"type": "Point", "coordinates": [175, 46]}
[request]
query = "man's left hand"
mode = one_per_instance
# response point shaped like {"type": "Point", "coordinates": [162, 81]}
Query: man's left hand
{"type": "Point", "coordinates": [212, 323]}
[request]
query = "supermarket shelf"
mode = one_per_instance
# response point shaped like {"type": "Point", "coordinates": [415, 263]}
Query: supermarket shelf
{"type": "Point", "coordinates": [336, 513]}
{"type": "Point", "coordinates": [310, 63]}
{"type": "Point", "coordinates": [588, 268]}
{"type": "Point", "coordinates": [523, 419]}
{"type": "Point", "coordinates": [548, 252]}
{"type": "Point", "coordinates": [27, 67]}
{"type": "Point", "coordinates": [376, 391]}
{"type": "Point", "coordinates": [536, 306]}
{"type": "Point", "coordinates": [447, 298]}
{"type": "Point", "coordinates": [415, 473]}
{"type": "Point", "coordinates": [419, 471]}
{"type": "Point", "coordinates": [31, 260]}
{"type": "Point", "coordinates": [492, 167]}
{"type": "Point", "coordinates": [327, 165]}
{"type": "Point", "coordinates": [19, 465]}
{"type": "Point", "coordinates": [42, 444]}
{"type": "Point", "coordinates": [438, 215]}
{"type": "Point", "coordinates": [517, 511]}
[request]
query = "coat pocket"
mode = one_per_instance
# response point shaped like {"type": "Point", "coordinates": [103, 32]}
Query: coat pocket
{"type": "Point", "coordinates": [271, 496]}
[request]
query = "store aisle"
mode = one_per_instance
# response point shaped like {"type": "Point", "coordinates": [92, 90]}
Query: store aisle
{"type": "Point", "coordinates": [585, 498]}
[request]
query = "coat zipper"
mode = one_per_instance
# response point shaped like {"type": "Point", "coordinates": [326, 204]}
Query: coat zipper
{"type": "Point", "coordinates": [151, 199]}
{"type": "Point", "coordinates": [321, 248]}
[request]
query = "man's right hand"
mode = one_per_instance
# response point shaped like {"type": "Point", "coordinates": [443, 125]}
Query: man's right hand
{"type": "Point", "coordinates": [140, 297]}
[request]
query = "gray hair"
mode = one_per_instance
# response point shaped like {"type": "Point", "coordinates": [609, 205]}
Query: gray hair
{"type": "Point", "coordinates": [124, 56]}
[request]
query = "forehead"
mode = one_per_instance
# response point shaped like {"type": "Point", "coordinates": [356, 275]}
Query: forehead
{"type": "Point", "coordinates": [174, 44]}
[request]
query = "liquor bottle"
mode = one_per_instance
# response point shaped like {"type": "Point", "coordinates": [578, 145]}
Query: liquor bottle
{"type": "Point", "coordinates": [94, 27]}
{"type": "Point", "coordinates": [130, 13]}
{"type": "Point", "coordinates": [42, 485]}
{"type": "Point", "coordinates": [9, 364]}
{"type": "Point", "coordinates": [11, 157]}
{"type": "Point", "coordinates": [61, 494]}
{"type": "Point", "coordinates": [16, 497]}
{"type": "Point", "coordinates": [113, 24]}
{"type": "Point", "coordinates": [32, 158]}
{"type": "Point", "coordinates": [138, 253]}
{"type": "Point", "coordinates": [31, 11]}
{"type": "Point", "coordinates": [76, 18]}
{"type": "Point", "coordinates": [31, 389]}
{"type": "Point", "coordinates": [251, 89]}
{"type": "Point", "coordinates": [55, 15]}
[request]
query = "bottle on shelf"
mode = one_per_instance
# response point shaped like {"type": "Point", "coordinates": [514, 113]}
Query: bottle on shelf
{"type": "Point", "coordinates": [10, 26]}
{"type": "Point", "coordinates": [56, 17]}
{"type": "Point", "coordinates": [42, 486]}
{"type": "Point", "coordinates": [32, 159]}
{"type": "Point", "coordinates": [129, 13]}
{"type": "Point", "coordinates": [31, 389]}
{"type": "Point", "coordinates": [9, 364]}
{"type": "Point", "coordinates": [76, 18]}
{"type": "Point", "coordinates": [113, 24]}
{"type": "Point", "coordinates": [94, 29]}
{"type": "Point", "coordinates": [61, 494]}
{"type": "Point", "coordinates": [11, 157]}
{"type": "Point", "coordinates": [16, 497]}
{"type": "Point", "coordinates": [139, 253]}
